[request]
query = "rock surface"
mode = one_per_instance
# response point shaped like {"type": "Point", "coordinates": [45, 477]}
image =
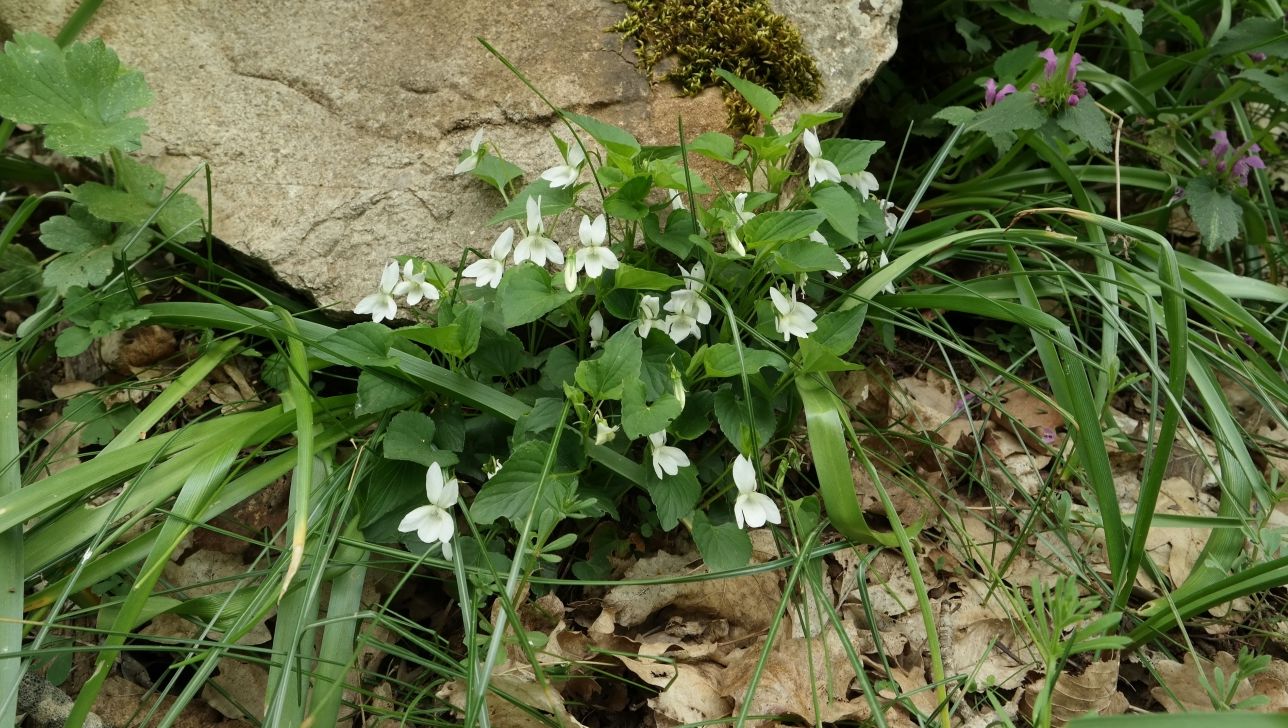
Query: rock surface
{"type": "Point", "coordinates": [332, 128]}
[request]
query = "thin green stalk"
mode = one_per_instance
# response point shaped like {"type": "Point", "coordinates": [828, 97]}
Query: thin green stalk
{"type": "Point", "coordinates": [335, 655]}
{"type": "Point", "coordinates": [302, 400]}
{"type": "Point", "coordinates": [76, 23]}
{"type": "Point", "coordinates": [11, 574]}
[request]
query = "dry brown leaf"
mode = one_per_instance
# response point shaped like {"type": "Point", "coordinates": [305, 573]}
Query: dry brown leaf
{"type": "Point", "coordinates": [1181, 689]}
{"type": "Point", "coordinates": [122, 703]}
{"type": "Point", "coordinates": [930, 406]}
{"type": "Point", "coordinates": [986, 644]}
{"type": "Point", "coordinates": [1175, 549]}
{"type": "Point", "coordinates": [1041, 421]}
{"type": "Point", "coordinates": [524, 691]}
{"type": "Point", "coordinates": [242, 685]}
{"type": "Point", "coordinates": [748, 603]}
{"type": "Point", "coordinates": [786, 685]}
{"type": "Point", "coordinates": [1093, 690]}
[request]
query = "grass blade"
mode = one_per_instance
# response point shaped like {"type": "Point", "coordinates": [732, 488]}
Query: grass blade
{"type": "Point", "coordinates": [11, 573]}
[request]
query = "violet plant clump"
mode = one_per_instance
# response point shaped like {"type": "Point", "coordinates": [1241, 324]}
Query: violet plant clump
{"type": "Point", "coordinates": [1057, 92]}
{"type": "Point", "coordinates": [1231, 165]}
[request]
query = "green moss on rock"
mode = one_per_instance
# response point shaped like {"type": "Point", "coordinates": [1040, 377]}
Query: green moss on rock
{"type": "Point", "coordinates": [744, 37]}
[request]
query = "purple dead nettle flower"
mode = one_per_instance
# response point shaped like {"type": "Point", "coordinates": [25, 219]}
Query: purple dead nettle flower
{"type": "Point", "coordinates": [1048, 435]}
{"type": "Point", "coordinates": [1237, 162]}
{"type": "Point", "coordinates": [993, 94]}
{"type": "Point", "coordinates": [1070, 90]}
{"type": "Point", "coordinates": [1257, 56]}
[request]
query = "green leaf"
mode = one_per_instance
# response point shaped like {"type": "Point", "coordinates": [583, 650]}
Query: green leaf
{"type": "Point", "coordinates": [761, 99]}
{"type": "Point", "coordinates": [364, 345]}
{"type": "Point", "coordinates": [1215, 212]}
{"type": "Point", "coordinates": [410, 436]}
{"type": "Point", "coordinates": [603, 376]}
{"type": "Point", "coordinates": [615, 140]}
{"type": "Point", "coordinates": [777, 227]}
{"type": "Point", "coordinates": [839, 207]}
{"type": "Point", "coordinates": [143, 193]}
{"type": "Point", "coordinates": [1018, 15]}
{"type": "Point", "coordinates": [713, 145]}
{"type": "Point", "coordinates": [642, 279]}
{"type": "Point", "coordinates": [955, 115]}
{"type": "Point", "coordinates": [677, 239]}
{"type": "Point", "coordinates": [850, 155]}
{"type": "Point", "coordinates": [805, 256]}
{"type": "Point", "coordinates": [723, 546]}
{"type": "Point", "coordinates": [1058, 9]}
{"type": "Point", "coordinates": [73, 341]}
{"type": "Point", "coordinates": [1017, 112]}
{"type": "Point", "coordinates": [628, 202]}
{"type": "Point", "coordinates": [527, 292]}
{"type": "Point", "coordinates": [675, 497]}
{"type": "Point", "coordinates": [739, 428]}
{"type": "Point", "coordinates": [1087, 122]}
{"type": "Point", "coordinates": [1276, 86]}
{"type": "Point", "coordinates": [639, 419]}
{"type": "Point", "coordinates": [74, 232]}
{"type": "Point", "coordinates": [378, 392]}
{"type": "Point", "coordinates": [553, 201]}
{"type": "Point", "coordinates": [816, 358]}
{"type": "Point", "coordinates": [82, 95]}
{"type": "Point", "coordinates": [1134, 17]}
{"type": "Point", "coordinates": [496, 171]}
{"type": "Point", "coordinates": [838, 330]}
{"type": "Point", "coordinates": [512, 493]}
{"type": "Point", "coordinates": [88, 269]}
{"type": "Point", "coordinates": [969, 32]}
{"type": "Point", "coordinates": [458, 339]}
{"type": "Point", "coordinates": [1265, 35]}
{"type": "Point", "coordinates": [20, 273]}
{"type": "Point", "coordinates": [1011, 64]}
{"type": "Point", "coordinates": [722, 360]}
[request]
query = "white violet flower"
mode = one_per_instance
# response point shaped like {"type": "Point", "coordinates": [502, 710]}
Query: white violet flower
{"type": "Point", "coordinates": [535, 246]}
{"type": "Point", "coordinates": [666, 458]}
{"type": "Point", "coordinates": [432, 522]}
{"type": "Point", "coordinates": [792, 317]}
{"type": "Point", "coordinates": [381, 304]}
{"type": "Point", "coordinates": [604, 433]}
{"type": "Point", "coordinates": [739, 203]}
{"type": "Point", "coordinates": [865, 183]}
{"type": "Point", "coordinates": [733, 242]}
{"type": "Point", "coordinates": [564, 175]}
{"type": "Point", "coordinates": [488, 271]}
{"type": "Point", "coordinates": [414, 286]}
{"type": "Point", "coordinates": [891, 220]}
{"type": "Point", "coordinates": [882, 262]}
{"type": "Point", "coordinates": [594, 256]}
{"type": "Point", "coordinates": [472, 158]}
{"type": "Point", "coordinates": [596, 330]}
{"type": "Point", "coordinates": [751, 509]}
{"type": "Point", "coordinates": [842, 264]}
{"type": "Point", "coordinates": [650, 310]}
{"type": "Point", "coordinates": [820, 170]}
{"type": "Point", "coordinates": [688, 309]}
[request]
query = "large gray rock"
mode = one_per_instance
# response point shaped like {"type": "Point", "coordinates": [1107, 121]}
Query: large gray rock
{"type": "Point", "coordinates": [332, 127]}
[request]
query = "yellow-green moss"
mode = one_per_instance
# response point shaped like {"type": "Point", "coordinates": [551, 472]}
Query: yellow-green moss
{"type": "Point", "coordinates": [744, 37]}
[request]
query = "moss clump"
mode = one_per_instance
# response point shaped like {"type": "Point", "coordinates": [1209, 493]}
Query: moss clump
{"type": "Point", "coordinates": [744, 37]}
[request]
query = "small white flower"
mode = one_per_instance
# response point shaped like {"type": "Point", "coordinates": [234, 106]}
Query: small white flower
{"type": "Point", "coordinates": [891, 220]}
{"type": "Point", "coordinates": [792, 317]}
{"type": "Point", "coordinates": [862, 262]}
{"type": "Point", "coordinates": [488, 271]}
{"type": "Point", "coordinates": [570, 275]}
{"type": "Point", "coordinates": [566, 174]}
{"type": "Point", "coordinates": [820, 170]}
{"type": "Point", "coordinates": [471, 159]}
{"type": "Point", "coordinates": [864, 182]}
{"type": "Point", "coordinates": [666, 459]}
{"type": "Point", "coordinates": [650, 310]}
{"type": "Point", "coordinates": [882, 262]}
{"type": "Point", "coordinates": [733, 242]}
{"type": "Point", "coordinates": [751, 509]}
{"type": "Point", "coordinates": [381, 304]}
{"type": "Point", "coordinates": [594, 256]}
{"type": "Point", "coordinates": [535, 246]}
{"type": "Point", "coordinates": [677, 202]}
{"type": "Point", "coordinates": [596, 330]}
{"type": "Point", "coordinates": [681, 325]}
{"type": "Point", "coordinates": [432, 522]}
{"type": "Point", "coordinates": [739, 201]}
{"type": "Point", "coordinates": [603, 432]}
{"type": "Point", "coordinates": [414, 286]}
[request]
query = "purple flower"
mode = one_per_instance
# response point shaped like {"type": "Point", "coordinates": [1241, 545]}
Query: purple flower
{"type": "Point", "coordinates": [1245, 165]}
{"type": "Point", "coordinates": [1221, 143]}
{"type": "Point", "coordinates": [1052, 62]}
{"type": "Point", "coordinates": [1257, 56]}
{"type": "Point", "coordinates": [1048, 435]}
{"type": "Point", "coordinates": [1080, 88]}
{"type": "Point", "coordinates": [1073, 99]}
{"type": "Point", "coordinates": [1074, 62]}
{"type": "Point", "coordinates": [992, 94]}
